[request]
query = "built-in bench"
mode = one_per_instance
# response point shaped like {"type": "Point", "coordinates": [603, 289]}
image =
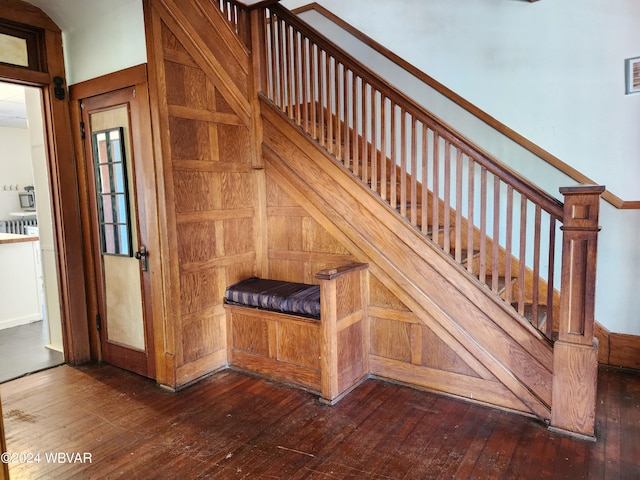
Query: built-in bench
{"type": "Point", "coordinates": [311, 336]}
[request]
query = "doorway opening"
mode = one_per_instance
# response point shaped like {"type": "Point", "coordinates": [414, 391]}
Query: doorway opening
{"type": "Point", "coordinates": [30, 314]}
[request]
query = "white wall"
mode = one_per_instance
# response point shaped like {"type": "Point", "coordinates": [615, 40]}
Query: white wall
{"type": "Point", "coordinates": [617, 304]}
{"type": "Point", "coordinates": [105, 42]}
{"type": "Point", "coordinates": [552, 71]}
{"type": "Point", "coordinates": [15, 168]}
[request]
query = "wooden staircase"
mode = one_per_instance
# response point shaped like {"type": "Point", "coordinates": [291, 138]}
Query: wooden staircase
{"type": "Point", "coordinates": [471, 247]}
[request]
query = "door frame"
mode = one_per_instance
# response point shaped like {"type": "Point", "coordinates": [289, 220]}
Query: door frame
{"type": "Point", "coordinates": [49, 76]}
{"type": "Point", "coordinates": [142, 145]}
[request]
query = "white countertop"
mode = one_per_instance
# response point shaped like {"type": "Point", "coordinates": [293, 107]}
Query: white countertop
{"type": "Point", "coordinates": [16, 238]}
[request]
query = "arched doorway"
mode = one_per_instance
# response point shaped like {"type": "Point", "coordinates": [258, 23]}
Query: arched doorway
{"type": "Point", "coordinates": [37, 60]}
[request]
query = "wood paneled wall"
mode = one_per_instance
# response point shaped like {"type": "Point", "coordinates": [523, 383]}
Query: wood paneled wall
{"type": "Point", "coordinates": [298, 246]}
{"type": "Point", "coordinates": [209, 193]}
{"type": "Point", "coordinates": [401, 347]}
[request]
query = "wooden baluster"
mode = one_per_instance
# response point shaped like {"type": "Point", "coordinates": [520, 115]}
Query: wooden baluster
{"type": "Point", "coordinates": [288, 40]}
{"type": "Point", "coordinates": [552, 259]}
{"type": "Point", "coordinates": [535, 295]}
{"type": "Point", "coordinates": [266, 37]}
{"type": "Point", "coordinates": [328, 103]}
{"type": "Point", "coordinates": [348, 123]}
{"type": "Point", "coordinates": [458, 212]}
{"type": "Point", "coordinates": [274, 65]}
{"type": "Point", "coordinates": [364, 150]}
{"type": "Point", "coordinates": [414, 173]}
{"type": "Point", "coordinates": [282, 61]}
{"type": "Point", "coordinates": [315, 89]}
{"type": "Point", "coordinates": [470, 215]}
{"type": "Point", "coordinates": [356, 126]}
{"type": "Point", "coordinates": [383, 147]}
{"type": "Point", "coordinates": [403, 163]}
{"type": "Point", "coordinates": [425, 178]}
{"type": "Point", "coordinates": [296, 77]}
{"type": "Point", "coordinates": [495, 270]}
{"type": "Point", "coordinates": [523, 253]}
{"type": "Point", "coordinates": [508, 293]}
{"type": "Point", "coordinates": [373, 151]}
{"type": "Point", "coordinates": [575, 355]}
{"type": "Point", "coordinates": [483, 225]}
{"type": "Point", "coordinates": [394, 158]}
{"type": "Point", "coordinates": [345, 112]}
{"type": "Point", "coordinates": [305, 82]}
{"type": "Point", "coordinates": [321, 93]}
{"type": "Point", "coordinates": [447, 198]}
{"type": "Point", "coordinates": [435, 202]}
{"type": "Point", "coordinates": [337, 147]}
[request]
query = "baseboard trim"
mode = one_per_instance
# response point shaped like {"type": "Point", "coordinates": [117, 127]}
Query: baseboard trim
{"type": "Point", "coordinates": [617, 349]}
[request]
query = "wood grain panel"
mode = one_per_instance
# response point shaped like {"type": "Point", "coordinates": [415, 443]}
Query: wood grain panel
{"type": "Point", "coordinates": [187, 86]}
{"type": "Point", "coordinates": [286, 373]}
{"type": "Point", "coordinates": [574, 399]}
{"type": "Point", "coordinates": [234, 145]}
{"type": "Point", "coordinates": [350, 341]}
{"type": "Point", "coordinates": [202, 335]}
{"type": "Point", "coordinates": [381, 296]}
{"type": "Point", "coordinates": [251, 334]}
{"type": "Point", "coordinates": [199, 290]}
{"type": "Point", "coordinates": [391, 339]}
{"type": "Point", "coordinates": [348, 295]}
{"type": "Point", "coordinates": [317, 239]}
{"type": "Point", "coordinates": [277, 197]}
{"type": "Point", "coordinates": [238, 236]}
{"type": "Point", "coordinates": [236, 189]}
{"type": "Point", "coordinates": [438, 355]}
{"type": "Point", "coordinates": [298, 343]}
{"type": "Point", "coordinates": [624, 350]}
{"type": "Point", "coordinates": [285, 233]}
{"type": "Point", "coordinates": [189, 139]}
{"type": "Point", "coordinates": [196, 242]}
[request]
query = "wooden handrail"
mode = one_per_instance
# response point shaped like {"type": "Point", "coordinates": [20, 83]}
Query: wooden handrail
{"type": "Point", "coordinates": [500, 127]}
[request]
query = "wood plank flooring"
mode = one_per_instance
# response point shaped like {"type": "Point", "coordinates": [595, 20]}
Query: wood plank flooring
{"type": "Point", "coordinates": [231, 425]}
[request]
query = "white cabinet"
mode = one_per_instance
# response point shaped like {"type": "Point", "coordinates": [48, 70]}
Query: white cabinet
{"type": "Point", "coordinates": [20, 280]}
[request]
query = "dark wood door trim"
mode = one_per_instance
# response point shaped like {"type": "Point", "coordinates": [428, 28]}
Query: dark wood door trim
{"type": "Point", "coordinates": [62, 177]}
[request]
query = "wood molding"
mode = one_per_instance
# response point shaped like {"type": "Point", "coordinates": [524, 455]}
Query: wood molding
{"type": "Point", "coordinates": [624, 350]}
{"type": "Point", "coordinates": [62, 172]}
{"type": "Point", "coordinates": [110, 82]}
{"type": "Point", "coordinates": [471, 108]}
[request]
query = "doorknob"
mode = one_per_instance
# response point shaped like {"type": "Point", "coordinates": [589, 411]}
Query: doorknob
{"type": "Point", "coordinates": [143, 255]}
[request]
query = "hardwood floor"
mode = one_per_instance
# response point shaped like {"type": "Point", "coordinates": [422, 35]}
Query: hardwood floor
{"type": "Point", "coordinates": [231, 425]}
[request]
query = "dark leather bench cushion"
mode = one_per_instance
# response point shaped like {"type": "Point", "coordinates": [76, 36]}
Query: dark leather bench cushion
{"type": "Point", "coordinates": [276, 295]}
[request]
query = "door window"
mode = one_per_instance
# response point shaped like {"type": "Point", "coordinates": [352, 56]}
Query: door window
{"type": "Point", "coordinates": [112, 192]}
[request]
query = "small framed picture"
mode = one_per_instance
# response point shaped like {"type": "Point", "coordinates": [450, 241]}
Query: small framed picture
{"type": "Point", "coordinates": [632, 75]}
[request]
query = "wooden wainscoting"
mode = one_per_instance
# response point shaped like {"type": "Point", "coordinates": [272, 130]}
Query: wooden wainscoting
{"type": "Point", "coordinates": [209, 194]}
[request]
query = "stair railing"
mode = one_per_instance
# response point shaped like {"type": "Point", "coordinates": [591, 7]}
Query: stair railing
{"type": "Point", "coordinates": [473, 207]}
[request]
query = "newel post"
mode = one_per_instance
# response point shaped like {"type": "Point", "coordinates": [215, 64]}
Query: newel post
{"type": "Point", "coordinates": [575, 356]}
